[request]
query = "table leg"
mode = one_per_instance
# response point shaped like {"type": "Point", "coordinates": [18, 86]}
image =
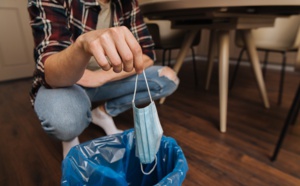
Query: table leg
{"type": "Point", "coordinates": [223, 37]}
{"type": "Point", "coordinates": [211, 56]}
{"type": "Point", "coordinates": [252, 53]}
{"type": "Point", "coordinates": [182, 53]}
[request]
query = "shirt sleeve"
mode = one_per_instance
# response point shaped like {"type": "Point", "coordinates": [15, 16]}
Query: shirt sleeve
{"type": "Point", "coordinates": [49, 23]}
{"type": "Point", "coordinates": [141, 32]}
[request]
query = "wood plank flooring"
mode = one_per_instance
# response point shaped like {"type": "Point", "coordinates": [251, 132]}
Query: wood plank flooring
{"type": "Point", "coordinates": [191, 115]}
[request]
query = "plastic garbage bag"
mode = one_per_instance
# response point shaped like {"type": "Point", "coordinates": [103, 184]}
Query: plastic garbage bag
{"type": "Point", "coordinates": [111, 161]}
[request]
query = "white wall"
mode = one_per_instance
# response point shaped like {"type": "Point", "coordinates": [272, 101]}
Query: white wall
{"type": "Point", "coordinates": [16, 42]}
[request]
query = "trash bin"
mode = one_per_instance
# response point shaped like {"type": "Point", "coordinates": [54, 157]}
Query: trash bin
{"type": "Point", "coordinates": [111, 161]}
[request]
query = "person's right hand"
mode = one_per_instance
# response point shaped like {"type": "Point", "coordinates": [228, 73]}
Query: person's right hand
{"type": "Point", "coordinates": [118, 45]}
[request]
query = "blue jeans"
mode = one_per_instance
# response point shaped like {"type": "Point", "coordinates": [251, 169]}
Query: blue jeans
{"type": "Point", "coordinates": [65, 112]}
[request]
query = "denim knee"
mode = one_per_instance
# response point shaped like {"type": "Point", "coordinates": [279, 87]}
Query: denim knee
{"type": "Point", "coordinates": [64, 113]}
{"type": "Point", "coordinates": [162, 82]}
{"type": "Point", "coordinates": [166, 83]}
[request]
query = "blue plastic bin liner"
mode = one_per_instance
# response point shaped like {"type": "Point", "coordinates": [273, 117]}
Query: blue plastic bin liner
{"type": "Point", "coordinates": [111, 161]}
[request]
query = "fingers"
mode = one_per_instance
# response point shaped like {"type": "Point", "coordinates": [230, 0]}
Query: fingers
{"type": "Point", "coordinates": [98, 53]}
{"type": "Point", "coordinates": [125, 52]}
{"type": "Point", "coordinates": [109, 48]}
{"type": "Point", "coordinates": [136, 50]}
{"type": "Point", "coordinates": [121, 48]}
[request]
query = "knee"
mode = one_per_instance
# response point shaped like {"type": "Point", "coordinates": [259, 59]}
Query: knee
{"type": "Point", "coordinates": [64, 113]}
{"type": "Point", "coordinates": [170, 74]}
{"type": "Point", "coordinates": [66, 128]}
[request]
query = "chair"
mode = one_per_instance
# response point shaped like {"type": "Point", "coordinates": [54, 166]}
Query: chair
{"type": "Point", "coordinates": [291, 119]}
{"type": "Point", "coordinates": [167, 39]}
{"type": "Point", "coordinates": [282, 38]}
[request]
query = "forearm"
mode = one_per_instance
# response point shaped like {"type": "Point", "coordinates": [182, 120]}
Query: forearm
{"type": "Point", "coordinates": [66, 67]}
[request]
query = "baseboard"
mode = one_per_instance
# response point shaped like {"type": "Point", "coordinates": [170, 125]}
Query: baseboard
{"type": "Point", "coordinates": [288, 68]}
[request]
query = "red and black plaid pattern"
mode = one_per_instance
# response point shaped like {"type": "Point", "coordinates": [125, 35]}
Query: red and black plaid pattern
{"type": "Point", "coordinates": [56, 24]}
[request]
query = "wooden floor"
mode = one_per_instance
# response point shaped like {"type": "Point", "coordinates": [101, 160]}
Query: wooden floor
{"type": "Point", "coordinates": [191, 115]}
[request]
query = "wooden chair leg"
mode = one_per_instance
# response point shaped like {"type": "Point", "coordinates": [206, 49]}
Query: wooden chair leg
{"type": "Point", "coordinates": [253, 56]}
{"type": "Point", "coordinates": [293, 112]}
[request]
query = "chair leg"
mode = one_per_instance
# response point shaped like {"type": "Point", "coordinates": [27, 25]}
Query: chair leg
{"type": "Point", "coordinates": [169, 58]}
{"type": "Point", "coordinates": [194, 66]}
{"type": "Point", "coordinates": [211, 56]}
{"type": "Point", "coordinates": [265, 64]}
{"type": "Point", "coordinates": [164, 57]}
{"type": "Point", "coordinates": [293, 112]}
{"type": "Point", "coordinates": [236, 68]}
{"type": "Point", "coordinates": [256, 66]}
{"type": "Point", "coordinates": [282, 78]}
{"type": "Point", "coordinates": [294, 117]}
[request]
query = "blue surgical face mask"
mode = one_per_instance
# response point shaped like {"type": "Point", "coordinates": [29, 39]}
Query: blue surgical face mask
{"type": "Point", "coordinates": [148, 131]}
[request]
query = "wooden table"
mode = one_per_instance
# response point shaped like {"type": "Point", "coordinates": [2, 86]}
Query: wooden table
{"type": "Point", "coordinates": [221, 16]}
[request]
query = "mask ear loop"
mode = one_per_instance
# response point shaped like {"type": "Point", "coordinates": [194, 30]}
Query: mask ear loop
{"type": "Point", "coordinates": [148, 173]}
{"type": "Point", "coordinates": [135, 87]}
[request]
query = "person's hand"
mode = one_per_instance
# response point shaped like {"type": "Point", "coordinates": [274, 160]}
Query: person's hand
{"type": "Point", "coordinates": [115, 48]}
{"type": "Point", "coordinates": [98, 78]}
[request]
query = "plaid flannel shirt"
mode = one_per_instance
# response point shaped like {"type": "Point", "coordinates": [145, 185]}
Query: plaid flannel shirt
{"type": "Point", "coordinates": [56, 24]}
